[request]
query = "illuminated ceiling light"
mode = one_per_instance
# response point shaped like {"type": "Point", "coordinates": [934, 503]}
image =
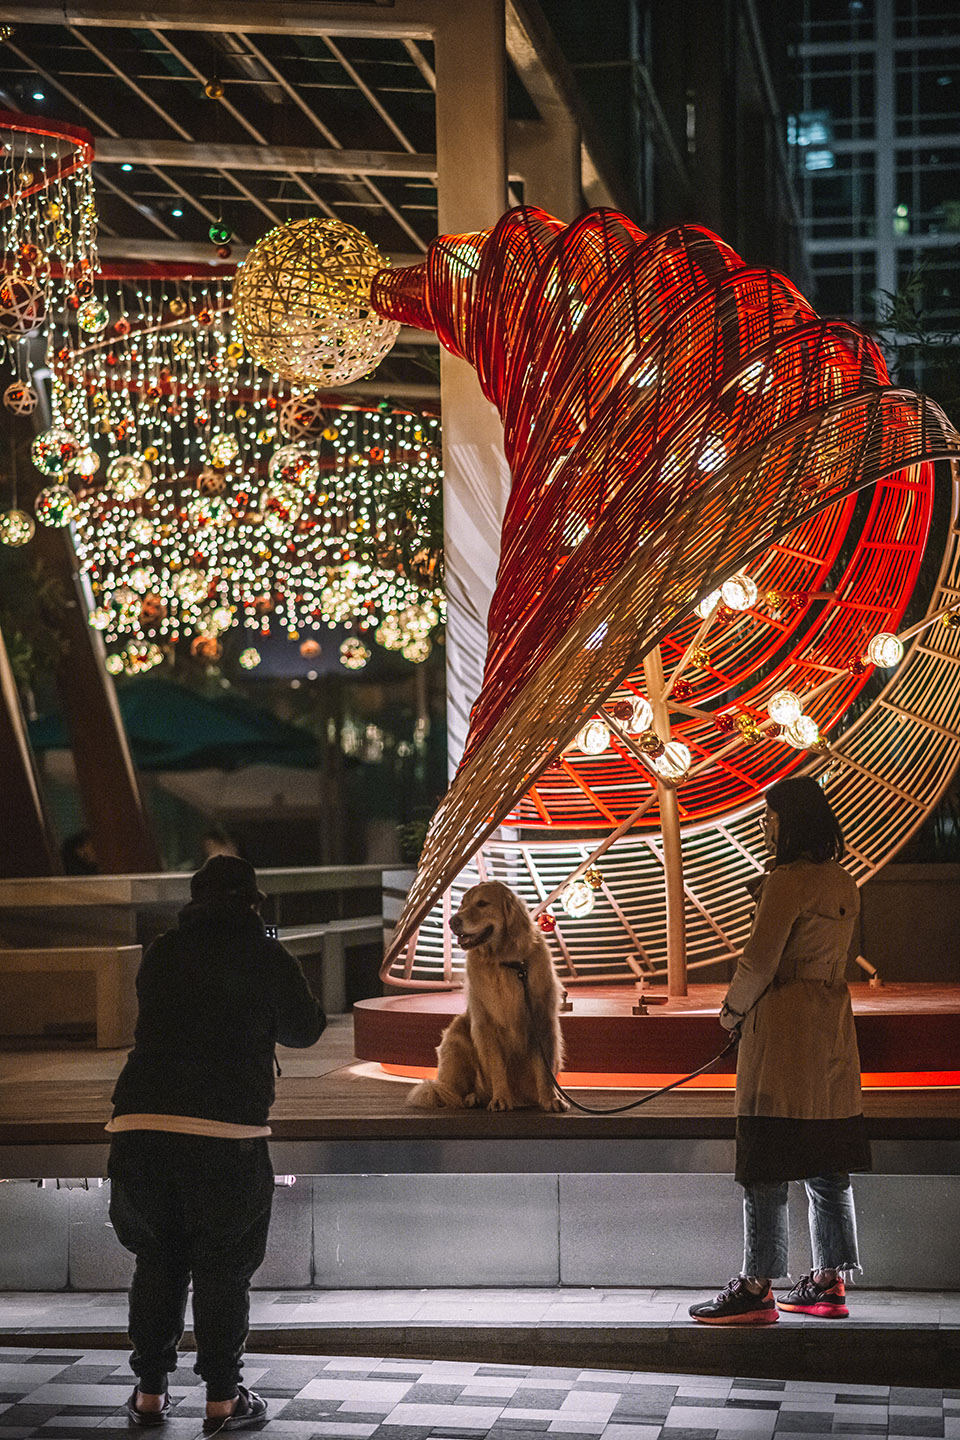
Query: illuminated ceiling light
{"type": "Point", "coordinates": [885, 650]}
{"type": "Point", "coordinates": [803, 733]}
{"type": "Point", "coordinates": [739, 592]}
{"type": "Point", "coordinates": [675, 761]}
{"type": "Point", "coordinates": [126, 168]}
{"type": "Point", "coordinates": [784, 708]}
{"type": "Point", "coordinates": [594, 738]}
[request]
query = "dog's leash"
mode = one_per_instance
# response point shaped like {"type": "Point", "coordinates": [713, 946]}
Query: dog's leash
{"type": "Point", "coordinates": [520, 971]}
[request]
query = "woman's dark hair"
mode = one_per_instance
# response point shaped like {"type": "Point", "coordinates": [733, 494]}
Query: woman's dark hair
{"type": "Point", "coordinates": [807, 827]}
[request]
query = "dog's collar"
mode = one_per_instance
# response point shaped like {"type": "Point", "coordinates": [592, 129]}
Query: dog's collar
{"type": "Point", "coordinates": [517, 966]}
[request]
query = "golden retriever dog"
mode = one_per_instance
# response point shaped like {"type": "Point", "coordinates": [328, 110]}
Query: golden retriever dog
{"type": "Point", "coordinates": [504, 1050]}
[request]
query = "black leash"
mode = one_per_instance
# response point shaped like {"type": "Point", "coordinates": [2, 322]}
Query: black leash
{"type": "Point", "coordinates": [521, 974]}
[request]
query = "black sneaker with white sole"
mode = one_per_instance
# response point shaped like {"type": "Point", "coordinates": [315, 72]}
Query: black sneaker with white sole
{"type": "Point", "coordinates": [249, 1410]}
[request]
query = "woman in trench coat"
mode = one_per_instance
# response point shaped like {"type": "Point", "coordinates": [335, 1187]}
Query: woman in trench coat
{"type": "Point", "coordinates": [799, 1107]}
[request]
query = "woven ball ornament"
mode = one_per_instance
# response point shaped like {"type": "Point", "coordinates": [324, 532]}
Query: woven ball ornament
{"type": "Point", "coordinates": [20, 399]}
{"type": "Point", "coordinates": [16, 528]}
{"type": "Point", "coordinates": [302, 302]}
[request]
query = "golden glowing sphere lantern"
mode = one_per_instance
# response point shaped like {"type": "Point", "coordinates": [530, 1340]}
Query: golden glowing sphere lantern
{"type": "Point", "coordinates": [302, 302]}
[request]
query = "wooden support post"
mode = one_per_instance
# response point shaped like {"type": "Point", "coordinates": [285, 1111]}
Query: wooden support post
{"type": "Point", "coordinates": [670, 834]}
{"type": "Point", "coordinates": [109, 786]}
{"type": "Point", "coordinates": [26, 845]}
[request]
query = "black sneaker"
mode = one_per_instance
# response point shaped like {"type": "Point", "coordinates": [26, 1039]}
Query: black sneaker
{"type": "Point", "coordinates": [249, 1409]}
{"type": "Point", "coordinates": [146, 1417]}
{"type": "Point", "coordinates": [737, 1305]}
{"type": "Point", "coordinates": [809, 1298]}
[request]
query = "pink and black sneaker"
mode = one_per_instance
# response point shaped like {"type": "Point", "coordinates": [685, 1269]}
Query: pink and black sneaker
{"type": "Point", "coordinates": [737, 1305]}
{"type": "Point", "coordinates": [809, 1298]}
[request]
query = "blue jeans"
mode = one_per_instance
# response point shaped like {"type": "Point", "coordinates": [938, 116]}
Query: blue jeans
{"type": "Point", "coordinates": [833, 1226]}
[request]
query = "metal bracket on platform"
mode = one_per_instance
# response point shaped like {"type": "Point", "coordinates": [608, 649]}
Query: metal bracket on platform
{"type": "Point", "coordinates": [644, 998]}
{"type": "Point", "coordinates": [874, 982]}
{"type": "Point", "coordinates": [566, 1004]}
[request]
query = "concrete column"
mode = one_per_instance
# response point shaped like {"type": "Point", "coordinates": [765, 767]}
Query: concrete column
{"type": "Point", "coordinates": [546, 153]}
{"type": "Point", "coordinates": [471, 190]}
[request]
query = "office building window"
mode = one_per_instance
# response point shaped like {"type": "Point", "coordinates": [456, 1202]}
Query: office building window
{"type": "Point", "coordinates": [928, 90]}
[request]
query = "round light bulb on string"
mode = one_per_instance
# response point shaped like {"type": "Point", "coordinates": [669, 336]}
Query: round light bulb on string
{"type": "Point", "coordinates": [594, 738]}
{"type": "Point", "coordinates": [885, 650]}
{"type": "Point", "coordinates": [93, 316]}
{"type": "Point", "coordinates": [784, 707]}
{"type": "Point", "coordinates": [302, 302]}
{"type": "Point", "coordinates": [190, 585]}
{"type": "Point", "coordinates": [675, 761]}
{"type": "Point", "coordinates": [417, 649]}
{"type": "Point", "coordinates": [353, 653]}
{"type": "Point", "coordinates": [578, 899]}
{"type": "Point", "coordinates": [142, 578]}
{"type": "Point", "coordinates": [249, 659]}
{"type": "Point", "coordinates": [802, 734]}
{"type": "Point", "coordinates": [100, 618]}
{"type": "Point", "coordinates": [53, 451]}
{"type": "Point", "coordinates": [86, 464]}
{"type": "Point", "coordinates": [55, 506]}
{"type": "Point", "coordinates": [291, 465]}
{"type": "Point", "coordinates": [708, 604]}
{"type": "Point", "coordinates": [20, 398]}
{"type": "Point", "coordinates": [739, 592]}
{"type": "Point", "coordinates": [642, 717]}
{"type": "Point", "coordinates": [129, 477]}
{"type": "Point", "coordinates": [141, 530]}
{"type": "Point", "coordinates": [113, 664]}
{"type": "Point", "coordinates": [16, 528]}
{"type": "Point", "coordinates": [223, 449]}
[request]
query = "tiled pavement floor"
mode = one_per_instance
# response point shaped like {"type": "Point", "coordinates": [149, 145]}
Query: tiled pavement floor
{"type": "Point", "coordinates": [67, 1395]}
{"type": "Point", "coordinates": [107, 1310]}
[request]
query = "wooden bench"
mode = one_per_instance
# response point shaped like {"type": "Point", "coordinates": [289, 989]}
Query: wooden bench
{"type": "Point", "coordinates": [114, 968]}
{"type": "Point", "coordinates": [332, 939]}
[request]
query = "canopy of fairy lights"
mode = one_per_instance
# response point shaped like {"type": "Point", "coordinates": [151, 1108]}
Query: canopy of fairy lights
{"type": "Point", "coordinates": [685, 474]}
{"type": "Point", "coordinates": [203, 495]}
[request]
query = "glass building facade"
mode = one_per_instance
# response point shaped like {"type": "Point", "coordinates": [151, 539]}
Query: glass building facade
{"type": "Point", "coordinates": [875, 139]}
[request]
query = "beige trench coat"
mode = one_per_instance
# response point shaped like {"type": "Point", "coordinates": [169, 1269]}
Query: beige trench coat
{"type": "Point", "coordinates": [798, 1061]}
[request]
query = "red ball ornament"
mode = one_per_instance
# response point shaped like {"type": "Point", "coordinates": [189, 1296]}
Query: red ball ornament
{"type": "Point", "coordinates": [857, 667]}
{"type": "Point", "coordinates": [621, 710]}
{"type": "Point", "coordinates": [111, 359]}
{"type": "Point", "coordinates": [73, 301]}
{"type": "Point", "coordinates": [547, 923]}
{"type": "Point", "coordinates": [774, 729]}
{"type": "Point", "coordinates": [799, 600]}
{"type": "Point", "coordinates": [682, 690]}
{"type": "Point", "coordinates": [205, 317]}
{"type": "Point", "coordinates": [122, 326]}
{"type": "Point", "coordinates": [84, 288]}
{"type": "Point", "coordinates": [724, 722]}
{"type": "Point", "coordinates": [223, 251]}
{"type": "Point", "coordinates": [29, 254]}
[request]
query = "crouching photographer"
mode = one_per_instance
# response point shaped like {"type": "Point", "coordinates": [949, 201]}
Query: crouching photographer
{"type": "Point", "coordinates": [191, 1178]}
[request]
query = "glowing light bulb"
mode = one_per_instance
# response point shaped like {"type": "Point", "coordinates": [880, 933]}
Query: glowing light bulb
{"type": "Point", "coordinates": [594, 738]}
{"type": "Point", "coordinates": [784, 708]}
{"type": "Point", "coordinates": [803, 733]}
{"type": "Point", "coordinates": [885, 650]}
{"type": "Point", "coordinates": [708, 604]}
{"type": "Point", "coordinates": [674, 763]}
{"type": "Point", "coordinates": [642, 718]}
{"type": "Point", "coordinates": [739, 592]}
{"type": "Point", "coordinates": [578, 899]}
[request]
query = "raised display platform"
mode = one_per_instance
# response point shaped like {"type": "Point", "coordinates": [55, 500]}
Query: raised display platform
{"type": "Point", "coordinates": [909, 1035]}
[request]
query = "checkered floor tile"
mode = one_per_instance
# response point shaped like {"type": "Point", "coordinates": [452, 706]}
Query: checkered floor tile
{"type": "Point", "coordinates": [66, 1395]}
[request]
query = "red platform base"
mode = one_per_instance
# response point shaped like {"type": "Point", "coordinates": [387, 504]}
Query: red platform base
{"type": "Point", "coordinates": [909, 1035]}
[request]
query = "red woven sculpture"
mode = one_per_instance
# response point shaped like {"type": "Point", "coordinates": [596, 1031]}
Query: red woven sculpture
{"type": "Point", "coordinates": [669, 415]}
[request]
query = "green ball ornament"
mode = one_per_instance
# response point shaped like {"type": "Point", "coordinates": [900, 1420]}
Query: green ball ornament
{"type": "Point", "coordinates": [219, 233]}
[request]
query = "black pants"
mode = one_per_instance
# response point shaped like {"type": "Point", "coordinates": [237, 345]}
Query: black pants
{"type": "Point", "coordinates": [188, 1205]}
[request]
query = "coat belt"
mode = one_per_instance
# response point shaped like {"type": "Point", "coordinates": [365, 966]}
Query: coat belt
{"type": "Point", "coordinates": [800, 969]}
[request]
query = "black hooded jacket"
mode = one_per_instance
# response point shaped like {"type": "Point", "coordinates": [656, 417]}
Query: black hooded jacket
{"type": "Point", "coordinates": [216, 995]}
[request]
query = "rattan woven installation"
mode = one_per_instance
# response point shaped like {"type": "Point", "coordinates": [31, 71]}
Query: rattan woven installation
{"type": "Point", "coordinates": [671, 416]}
{"type": "Point", "coordinates": [302, 301]}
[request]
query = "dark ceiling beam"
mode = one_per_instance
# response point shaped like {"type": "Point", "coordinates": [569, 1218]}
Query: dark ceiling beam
{"type": "Point", "coordinates": [182, 252]}
{"type": "Point", "coordinates": [404, 19]}
{"type": "Point", "coordinates": [203, 156]}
